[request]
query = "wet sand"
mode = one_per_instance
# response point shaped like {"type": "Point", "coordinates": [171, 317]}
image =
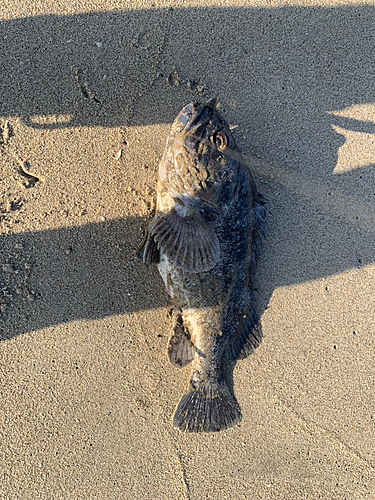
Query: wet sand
{"type": "Point", "coordinates": [87, 393]}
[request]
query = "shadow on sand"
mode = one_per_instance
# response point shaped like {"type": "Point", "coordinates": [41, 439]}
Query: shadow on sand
{"type": "Point", "coordinates": [139, 67]}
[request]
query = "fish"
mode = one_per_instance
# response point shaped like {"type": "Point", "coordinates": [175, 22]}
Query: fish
{"type": "Point", "coordinates": [205, 238]}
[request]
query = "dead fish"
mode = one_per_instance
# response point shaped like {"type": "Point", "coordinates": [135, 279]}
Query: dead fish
{"type": "Point", "coordinates": [205, 238]}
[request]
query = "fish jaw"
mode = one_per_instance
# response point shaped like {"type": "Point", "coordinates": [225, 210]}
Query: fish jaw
{"type": "Point", "coordinates": [192, 116]}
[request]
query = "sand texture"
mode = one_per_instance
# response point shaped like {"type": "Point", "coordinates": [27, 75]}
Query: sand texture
{"type": "Point", "coordinates": [86, 391]}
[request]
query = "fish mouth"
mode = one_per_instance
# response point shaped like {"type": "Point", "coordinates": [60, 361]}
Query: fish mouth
{"type": "Point", "coordinates": [194, 115]}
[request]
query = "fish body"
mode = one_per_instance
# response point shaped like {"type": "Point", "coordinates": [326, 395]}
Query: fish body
{"type": "Point", "coordinates": [205, 238]}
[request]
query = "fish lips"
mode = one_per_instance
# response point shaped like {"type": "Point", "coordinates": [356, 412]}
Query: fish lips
{"type": "Point", "coordinates": [201, 116]}
{"type": "Point", "coordinates": [192, 116]}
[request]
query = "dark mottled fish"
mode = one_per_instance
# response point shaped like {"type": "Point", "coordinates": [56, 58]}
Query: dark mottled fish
{"type": "Point", "coordinates": [205, 238]}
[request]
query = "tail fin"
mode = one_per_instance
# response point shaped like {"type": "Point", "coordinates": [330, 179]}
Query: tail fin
{"type": "Point", "coordinates": [209, 408]}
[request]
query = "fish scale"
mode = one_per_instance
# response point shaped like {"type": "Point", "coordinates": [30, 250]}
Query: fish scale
{"type": "Point", "coordinates": [205, 238]}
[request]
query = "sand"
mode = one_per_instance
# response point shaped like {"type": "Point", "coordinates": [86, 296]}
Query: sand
{"type": "Point", "coordinates": [87, 394]}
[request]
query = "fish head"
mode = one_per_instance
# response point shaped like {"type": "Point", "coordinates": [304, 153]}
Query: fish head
{"type": "Point", "coordinates": [200, 151]}
{"type": "Point", "coordinates": [203, 130]}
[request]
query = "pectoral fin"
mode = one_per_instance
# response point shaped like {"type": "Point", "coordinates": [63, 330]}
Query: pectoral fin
{"type": "Point", "coordinates": [188, 242]}
{"type": "Point", "coordinates": [148, 251]}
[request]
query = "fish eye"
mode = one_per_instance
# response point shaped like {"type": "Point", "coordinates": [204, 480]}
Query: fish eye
{"type": "Point", "coordinates": [221, 140]}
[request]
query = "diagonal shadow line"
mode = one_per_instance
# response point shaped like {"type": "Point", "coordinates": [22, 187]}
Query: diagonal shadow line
{"type": "Point", "coordinates": [353, 125]}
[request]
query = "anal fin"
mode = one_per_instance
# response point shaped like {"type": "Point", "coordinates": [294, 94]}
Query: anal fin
{"type": "Point", "coordinates": [181, 350]}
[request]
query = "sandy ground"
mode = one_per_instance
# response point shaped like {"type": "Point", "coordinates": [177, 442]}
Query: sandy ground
{"type": "Point", "coordinates": [87, 393]}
